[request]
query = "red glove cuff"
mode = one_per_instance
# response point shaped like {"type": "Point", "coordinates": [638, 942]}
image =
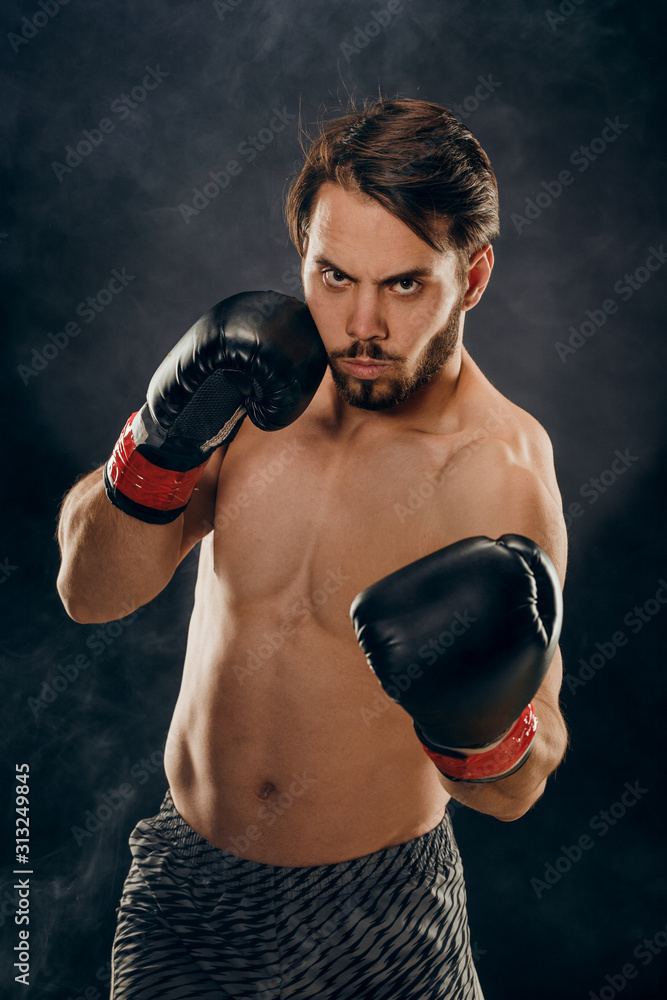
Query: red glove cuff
{"type": "Point", "coordinates": [145, 483]}
{"type": "Point", "coordinates": [499, 762]}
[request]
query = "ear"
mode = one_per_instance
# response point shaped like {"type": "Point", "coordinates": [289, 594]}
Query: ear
{"type": "Point", "coordinates": [479, 272]}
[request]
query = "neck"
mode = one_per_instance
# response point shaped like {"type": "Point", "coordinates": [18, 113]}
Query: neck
{"type": "Point", "coordinates": [423, 410]}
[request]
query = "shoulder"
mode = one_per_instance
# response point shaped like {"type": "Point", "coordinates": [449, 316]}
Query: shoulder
{"type": "Point", "coordinates": [501, 480]}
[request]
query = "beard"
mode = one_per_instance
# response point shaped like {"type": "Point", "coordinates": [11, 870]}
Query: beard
{"type": "Point", "coordinates": [367, 394]}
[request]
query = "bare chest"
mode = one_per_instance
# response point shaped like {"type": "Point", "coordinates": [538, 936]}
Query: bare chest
{"type": "Point", "coordinates": [303, 524]}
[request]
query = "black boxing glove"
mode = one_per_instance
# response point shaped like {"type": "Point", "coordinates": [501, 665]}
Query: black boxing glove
{"type": "Point", "coordinates": [257, 354]}
{"type": "Point", "coordinates": [462, 640]}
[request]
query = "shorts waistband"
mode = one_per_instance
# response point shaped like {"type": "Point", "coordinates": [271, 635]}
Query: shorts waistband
{"type": "Point", "coordinates": [414, 858]}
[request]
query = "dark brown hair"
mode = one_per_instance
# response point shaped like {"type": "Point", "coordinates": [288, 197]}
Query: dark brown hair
{"type": "Point", "coordinates": [416, 159]}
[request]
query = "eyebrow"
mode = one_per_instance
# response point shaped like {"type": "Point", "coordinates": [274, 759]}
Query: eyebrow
{"type": "Point", "coordinates": [414, 272]}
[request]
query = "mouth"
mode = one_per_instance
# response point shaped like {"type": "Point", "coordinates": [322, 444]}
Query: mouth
{"type": "Point", "coordinates": [365, 369]}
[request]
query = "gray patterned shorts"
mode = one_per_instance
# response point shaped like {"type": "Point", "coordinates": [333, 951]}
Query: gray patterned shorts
{"type": "Point", "coordinates": [197, 922]}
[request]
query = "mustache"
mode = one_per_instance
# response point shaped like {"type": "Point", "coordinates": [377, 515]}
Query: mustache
{"type": "Point", "coordinates": [370, 351]}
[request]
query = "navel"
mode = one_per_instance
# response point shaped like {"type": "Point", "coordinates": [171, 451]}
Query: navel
{"type": "Point", "coordinates": [266, 789]}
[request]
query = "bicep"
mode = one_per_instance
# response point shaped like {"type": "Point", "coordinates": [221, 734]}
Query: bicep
{"type": "Point", "coordinates": [199, 515]}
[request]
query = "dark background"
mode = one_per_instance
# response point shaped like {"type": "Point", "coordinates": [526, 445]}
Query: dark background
{"type": "Point", "coordinates": [556, 78]}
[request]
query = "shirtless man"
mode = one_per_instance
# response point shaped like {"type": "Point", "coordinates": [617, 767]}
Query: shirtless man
{"type": "Point", "coordinates": [303, 848]}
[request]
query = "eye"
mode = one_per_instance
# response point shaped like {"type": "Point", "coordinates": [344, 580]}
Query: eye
{"type": "Point", "coordinates": [407, 286]}
{"type": "Point", "coordinates": [334, 279]}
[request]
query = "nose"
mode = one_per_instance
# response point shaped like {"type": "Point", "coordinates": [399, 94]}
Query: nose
{"type": "Point", "coordinates": [365, 320]}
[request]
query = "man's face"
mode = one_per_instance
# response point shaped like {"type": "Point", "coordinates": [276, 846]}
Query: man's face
{"type": "Point", "coordinates": [387, 306]}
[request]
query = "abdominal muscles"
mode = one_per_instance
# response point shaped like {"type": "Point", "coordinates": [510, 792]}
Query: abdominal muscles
{"type": "Point", "coordinates": [283, 747]}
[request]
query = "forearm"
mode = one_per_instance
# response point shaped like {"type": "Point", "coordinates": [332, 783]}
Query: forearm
{"type": "Point", "coordinates": [111, 563]}
{"type": "Point", "coordinates": [509, 798]}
